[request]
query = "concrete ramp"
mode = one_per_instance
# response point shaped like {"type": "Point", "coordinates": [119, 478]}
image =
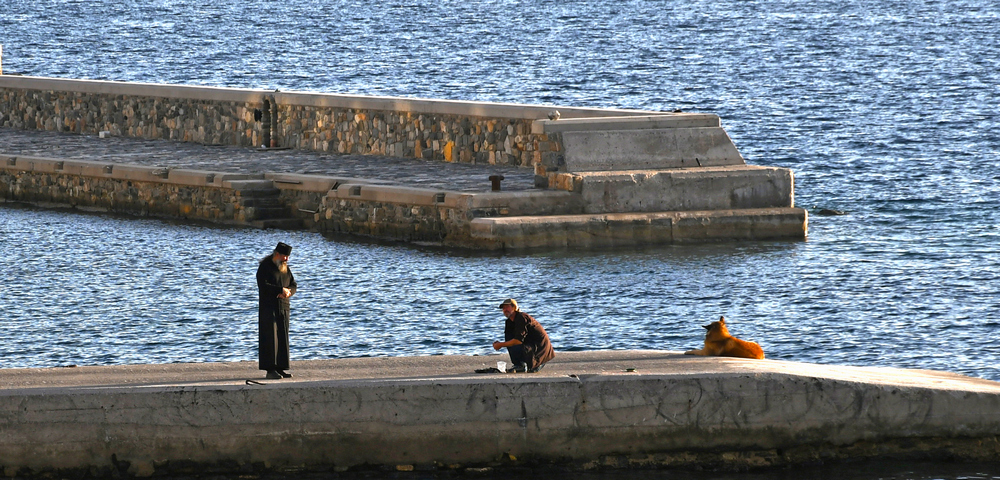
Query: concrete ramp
{"type": "Point", "coordinates": [651, 180]}
{"type": "Point", "coordinates": [651, 142]}
{"type": "Point", "coordinates": [642, 150]}
{"type": "Point", "coordinates": [585, 410]}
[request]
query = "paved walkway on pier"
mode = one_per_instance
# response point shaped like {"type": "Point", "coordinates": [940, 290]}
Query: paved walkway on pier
{"type": "Point", "coordinates": [163, 153]}
{"type": "Point", "coordinates": [461, 368]}
{"type": "Point", "coordinates": [594, 409]}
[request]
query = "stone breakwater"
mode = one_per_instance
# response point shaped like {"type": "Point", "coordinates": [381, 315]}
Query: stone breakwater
{"type": "Point", "coordinates": [601, 177]}
{"type": "Point", "coordinates": [584, 411]}
{"type": "Point", "coordinates": [450, 131]}
{"type": "Point", "coordinates": [273, 200]}
{"type": "Point", "coordinates": [127, 189]}
{"type": "Point", "coordinates": [485, 220]}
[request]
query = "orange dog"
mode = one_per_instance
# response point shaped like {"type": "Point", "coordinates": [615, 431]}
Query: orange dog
{"type": "Point", "coordinates": [719, 343]}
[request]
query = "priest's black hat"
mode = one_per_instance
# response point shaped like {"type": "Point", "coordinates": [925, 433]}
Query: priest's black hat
{"type": "Point", "coordinates": [283, 248]}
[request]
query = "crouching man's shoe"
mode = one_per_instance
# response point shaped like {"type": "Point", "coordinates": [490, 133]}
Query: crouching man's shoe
{"type": "Point", "coordinates": [519, 368]}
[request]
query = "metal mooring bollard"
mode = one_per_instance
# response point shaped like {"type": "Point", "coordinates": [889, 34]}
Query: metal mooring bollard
{"type": "Point", "coordinates": [495, 179]}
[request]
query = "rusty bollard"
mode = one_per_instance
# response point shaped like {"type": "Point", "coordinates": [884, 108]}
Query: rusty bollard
{"type": "Point", "coordinates": [495, 179]}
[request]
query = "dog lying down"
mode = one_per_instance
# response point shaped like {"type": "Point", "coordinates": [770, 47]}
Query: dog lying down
{"type": "Point", "coordinates": [719, 343]}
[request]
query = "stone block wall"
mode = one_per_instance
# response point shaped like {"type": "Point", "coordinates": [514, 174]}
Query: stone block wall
{"type": "Point", "coordinates": [410, 223]}
{"type": "Point", "coordinates": [450, 131]}
{"type": "Point", "coordinates": [443, 130]}
{"type": "Point", "coordinates": [159, 118]}
{"type": "Point", "coordinates": [144, 191]}
{"type": "Point", "coordinates": [449, 138]}
{"type": "Point", "coordinates": [207, 196]}
{"type": "Point", "coordinates": [213, 204]}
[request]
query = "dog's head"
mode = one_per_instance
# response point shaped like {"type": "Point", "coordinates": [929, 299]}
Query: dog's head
{"type": "Point", "coordinates": [717, 328]}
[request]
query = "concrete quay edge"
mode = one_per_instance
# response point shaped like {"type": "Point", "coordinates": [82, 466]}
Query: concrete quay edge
{"type": "Point", "coordinates": [124, 171]}
{"type": "Point", "coordinates": [335, 187]}
{"type": "Point", "coordinates": [590, 409]}
{"type": "Point", "coordinates": [626, 229]}
{"type": "Point", "coordinates": [632, 122]}
{"type": "Point", "coordinates": [514, 220]}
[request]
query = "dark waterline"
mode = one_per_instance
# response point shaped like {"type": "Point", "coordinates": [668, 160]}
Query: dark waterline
{"type": "Point", "coordinates": [856, 470]}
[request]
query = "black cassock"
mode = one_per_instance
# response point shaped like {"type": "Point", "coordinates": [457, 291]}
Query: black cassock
{"type": "Point", "coordinates": [274, 315]}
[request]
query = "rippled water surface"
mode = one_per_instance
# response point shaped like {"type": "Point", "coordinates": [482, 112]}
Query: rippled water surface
{"type": "Point", "coordinates": [886, 110]}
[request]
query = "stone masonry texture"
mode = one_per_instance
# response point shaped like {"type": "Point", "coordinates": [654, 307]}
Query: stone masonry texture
{"type": "Point", "coordinates": [439, 137]}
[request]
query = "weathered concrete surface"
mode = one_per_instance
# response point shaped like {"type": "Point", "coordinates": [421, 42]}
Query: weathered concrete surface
{"type": "Point", "coordinates": [710, 188]}
{"type": "Point", "coordinates": [589, 151]}
{"type": "Point", "coordinates": [629, 229]}
{"type": "Point", "coordinates": [648, 407]}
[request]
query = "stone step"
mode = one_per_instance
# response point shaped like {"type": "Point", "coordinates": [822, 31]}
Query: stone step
{"type": "Point", "coordinates": [278, 223]}
{"type": "Point", "coordinates": [636, 229]}
{"type": "Point", "coordinates": [260, 193]}
{"type": "Point", "coordinates": [267, 213]}
{"type": "Point", "coordinates": [272, 202]}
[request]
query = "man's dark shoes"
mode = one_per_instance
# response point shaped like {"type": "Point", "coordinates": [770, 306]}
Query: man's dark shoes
{"type": "Point", "coordinates": [273, 375]}
{"type": "Point", "coordinates": [284, 374]}
{"type": "Point", "coordinates": [520, 368]}
{"type": "Point", "coordinates": [533, 370]}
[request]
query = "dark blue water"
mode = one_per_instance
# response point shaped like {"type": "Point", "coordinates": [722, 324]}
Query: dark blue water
{"type": "Point", "coordinates": [886, 110]}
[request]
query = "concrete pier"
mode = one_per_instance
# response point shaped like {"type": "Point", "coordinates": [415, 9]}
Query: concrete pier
{"type": "Point", "coordinates": [566, 177]}
{"type": "Point", "coordinates": [585, 410]}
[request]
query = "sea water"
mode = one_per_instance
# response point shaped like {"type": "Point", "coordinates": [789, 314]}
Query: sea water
{"type": "Point", "coordinates": [887, 111]}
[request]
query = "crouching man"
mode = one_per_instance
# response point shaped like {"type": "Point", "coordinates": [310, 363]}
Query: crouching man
{"type": "Point", "coordinates": [525, 339]}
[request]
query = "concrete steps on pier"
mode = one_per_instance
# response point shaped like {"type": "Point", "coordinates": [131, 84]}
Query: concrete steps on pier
{"type": "Point", "coordinates": [278, 223]}
{"type": "Point", "coordinates": [263, 206]}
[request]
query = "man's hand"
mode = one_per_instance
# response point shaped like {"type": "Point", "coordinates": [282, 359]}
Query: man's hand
{"type": "Point", "coordinates": [509, 343]}
{"type": "Point", "coordinates": [285, 293]}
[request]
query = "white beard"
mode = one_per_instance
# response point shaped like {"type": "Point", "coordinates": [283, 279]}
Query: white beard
{"type": "Point", "coordinates": [282, 266]}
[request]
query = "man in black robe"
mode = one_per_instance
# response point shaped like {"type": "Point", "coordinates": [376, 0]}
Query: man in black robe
{"type": "Point", "coordinates": [276, 284]}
